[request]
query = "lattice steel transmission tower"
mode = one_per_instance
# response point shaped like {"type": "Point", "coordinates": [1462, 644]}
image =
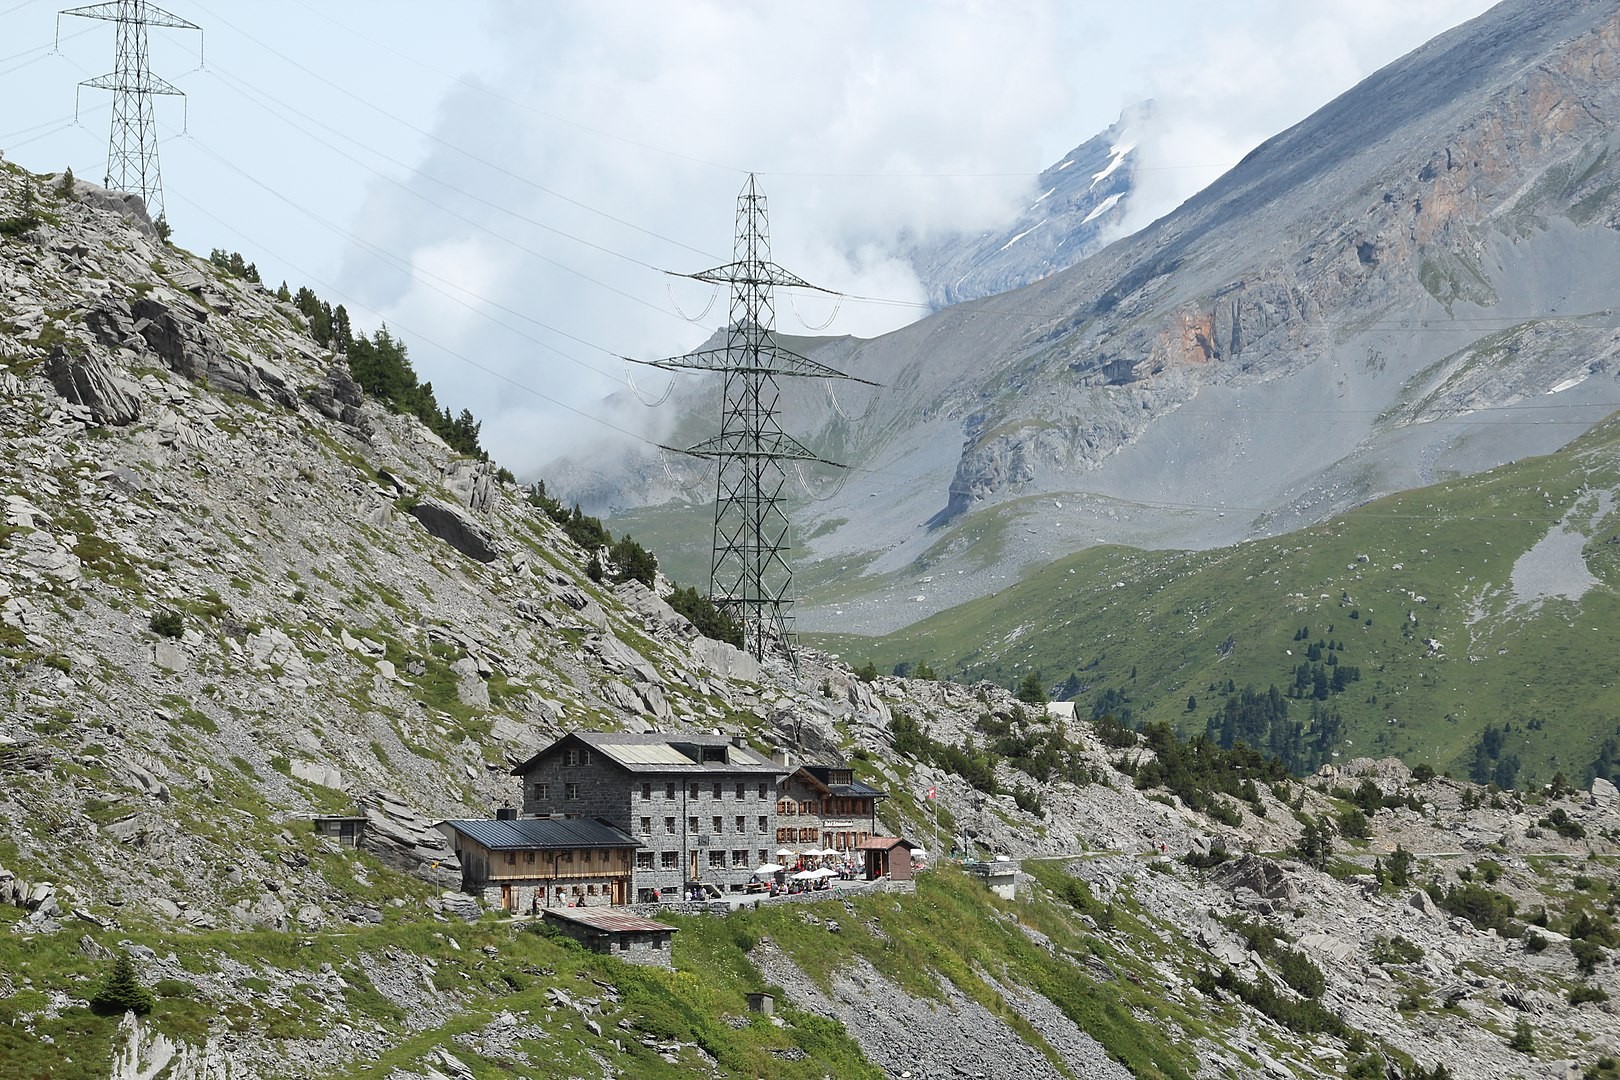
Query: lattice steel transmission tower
{"type": "Point", "coordinates": [750, 575]}
{"type": "Point", "coordinates": [132, 155]}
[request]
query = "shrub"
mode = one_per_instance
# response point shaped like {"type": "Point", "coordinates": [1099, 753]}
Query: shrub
{"type": "Point", "coordinates": [712, 622]}
{"type": "Point", "coordinates": [1586, 954]}
{"type": "Point", "coordinates": [1581, 994]}
{"type": "Point", "coordinates": [167, 623]}
{"type": "Point", "coordinates": [1524, 1037]}
{"type": "Point", "coordinates": [122, 992]}
{"type": "Point", "coordinates": [1396, 950]}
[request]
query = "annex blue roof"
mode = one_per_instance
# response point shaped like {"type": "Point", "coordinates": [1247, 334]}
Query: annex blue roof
{"type": "Point", "coordinates": [543, 833]}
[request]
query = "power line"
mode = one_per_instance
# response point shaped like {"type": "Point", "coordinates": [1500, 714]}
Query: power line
{"type": "Point", "coordinates": [404, 264]}
{"type": "Point", "coordinates": [462, 81]}
{"type": "Point", "coordinates": [426, 134]}
{"type": "Point", "coordinates": [503, 237]}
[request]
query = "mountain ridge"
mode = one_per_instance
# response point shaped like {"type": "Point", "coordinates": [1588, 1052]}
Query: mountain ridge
{"type": "Point", "coordinates": [1249, 322]}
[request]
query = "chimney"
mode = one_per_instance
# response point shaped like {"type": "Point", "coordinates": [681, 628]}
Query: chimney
{"type": "Point", "coordinates": [783, 757]}
{"type": "Point", "coordinates": [740, 742]}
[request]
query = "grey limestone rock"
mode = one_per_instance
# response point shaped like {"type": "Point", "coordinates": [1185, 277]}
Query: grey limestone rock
{"type": "Point", "coordinates": [93, 383]}
{"type": "Point", "coordinates": [455, 528]}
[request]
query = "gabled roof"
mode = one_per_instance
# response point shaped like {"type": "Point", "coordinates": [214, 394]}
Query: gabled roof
{"type": "Point", "coordinates": [663, 754]}
{"type": "Point", "coordinates": [884, 843]}
{"type": "Point", "coordinates": [816, 776]}
{"type": "Point", "coordinates": [543, 833]}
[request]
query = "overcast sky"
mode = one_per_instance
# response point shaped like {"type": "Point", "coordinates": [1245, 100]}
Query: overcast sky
{"type": "Point", "coordinates": [502, 181]}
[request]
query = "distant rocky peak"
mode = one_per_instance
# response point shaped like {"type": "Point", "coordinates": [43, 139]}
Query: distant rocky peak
{"type": "Point", "coordinates": [1075, 203]}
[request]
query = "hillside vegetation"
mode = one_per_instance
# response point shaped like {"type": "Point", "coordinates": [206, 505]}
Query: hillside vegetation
{"type": "Point", "coordinates": [1482, 604]}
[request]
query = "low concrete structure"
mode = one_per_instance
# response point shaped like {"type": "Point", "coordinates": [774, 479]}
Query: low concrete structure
{"type": "Point", "coordinates": [1001, 876]}
{"type": "Point", "coordinates": [615, 933]}
{"type": "Point", "coordinates": [345, 830]}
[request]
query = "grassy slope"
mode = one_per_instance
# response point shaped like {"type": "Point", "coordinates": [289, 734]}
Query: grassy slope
{"type": "Point", "coordinates": [1107, 613]}
{"type": "Point", "coordinates": [953, 929]}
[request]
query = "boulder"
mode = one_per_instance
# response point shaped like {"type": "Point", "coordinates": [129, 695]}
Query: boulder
{"type": "Point", "coordinates": [95, 384]}
{"type": "Point", "coordinates": [1265, 877]}
{"type": "Point", "coordinates": [317, 772]}
{"type": "Point", "coordinates": [455, 528]}
{"type": "Point", "coordinates": [473, 482]}
{"type": "Point", "coordinates": [340, 398]}
{"type": "Point", "coordinates": [400, 837]}
{"type": "Point", "coordinates": [1604, 794]}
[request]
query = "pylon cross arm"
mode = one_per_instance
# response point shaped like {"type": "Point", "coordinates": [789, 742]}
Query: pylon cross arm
{"type": "Point", "coordinates": [151, 16]}
{"type": "Point", "coordinates": [772, 359]}
{"type": "Point", "coordinates": [776, 447]}
{"type": "Point", "coordinates": [761, 273]}
{"type": "Point", "coordinates": [149, 84]}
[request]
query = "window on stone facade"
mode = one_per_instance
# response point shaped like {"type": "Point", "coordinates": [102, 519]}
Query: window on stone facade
{"type": "Point", "coordinates": [742, 791]}
{"type": "Point", "coordinates": [646, 791]}
{"type": "Point", "coordinates": [669, 791]}
{"type": "Point", "coordinates": [717, 859]}
{"type": "Point", "coordinates": [542, 791]}
{"type": "Point", "coordinates": [570, 757]}
{"type": "Point", "coordinates": [764, 823]}
{"type": "Point", "coordinates": [739, 857]}
{"type": "Point", "coordinates": [644, 860]}
{"type": "Point", "coordinates": [742, 824]}
{"type": "Point", "coordinates": [695, 792]}
{"type": "Point", "coordinates": [784, 835]}
{"type": "Point", "coordinates": [669, 826]}
{"type": "Point", "coordinates": [572, 791]}
{"type": "Point", "coordinates": [784, 806]}
{"type": "Point", "coordinates": [762, 792]}
{"type": "Point", "coordinates": [717, 791]}
{"type": "Point", "coordinates": [719, 825]}
{"type": "Point", "coordinates": [590, 890]}
{"type": "Point", "coordinates": [646, 826]}
{"type": "Point", "coordinates": [691, 824]}
{"type": "Point", "coordinates": [668, 860]}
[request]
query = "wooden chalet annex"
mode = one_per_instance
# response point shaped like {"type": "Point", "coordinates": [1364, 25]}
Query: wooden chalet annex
{"type": "Point", "coordinates": [538, 863]}
{"type": "Point", "coordinates": [824, 806]}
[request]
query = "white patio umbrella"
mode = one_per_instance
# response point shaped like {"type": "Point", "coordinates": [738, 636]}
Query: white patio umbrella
{"type": "Point", "coordinates": [825, 872]}
{"type": "Point", "coordinates": [769, 868]}
{"type": "Point", "coordinates": [806, 875]}
{"type": "Point", "coordinates": [785, 852]}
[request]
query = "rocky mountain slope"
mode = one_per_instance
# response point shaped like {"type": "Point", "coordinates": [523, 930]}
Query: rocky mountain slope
{"type": "Point", "coordinates": [1406, 286]}
{"type": "Point", "coordinates": [235, 593]}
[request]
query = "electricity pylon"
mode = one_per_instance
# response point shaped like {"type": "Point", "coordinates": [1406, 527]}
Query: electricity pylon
{"type": "Point", "coordinates": [132, 155]}
{"type": "Point", "coordinates": [750, 576]}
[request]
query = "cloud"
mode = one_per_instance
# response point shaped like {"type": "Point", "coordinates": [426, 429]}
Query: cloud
{"type": "Point", "coordinates": [863, 122]}
{"type": "Point", "coordinates": [602, 145]}
{"type": "Point", "coordinates": [1227, 85]}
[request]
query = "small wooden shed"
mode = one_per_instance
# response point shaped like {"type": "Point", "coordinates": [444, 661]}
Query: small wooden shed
{"type": "Point", "coordinates": [887, 856]}
{"type": "Point", "coordinates": [615, 933]}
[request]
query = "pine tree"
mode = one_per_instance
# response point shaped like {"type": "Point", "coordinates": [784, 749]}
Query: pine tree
{"type": "Point", "coordinates": [122, 992]}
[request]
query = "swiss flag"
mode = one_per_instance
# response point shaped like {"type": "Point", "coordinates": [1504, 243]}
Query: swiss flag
{"type": "Point", "coordinates": [930, 791]}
